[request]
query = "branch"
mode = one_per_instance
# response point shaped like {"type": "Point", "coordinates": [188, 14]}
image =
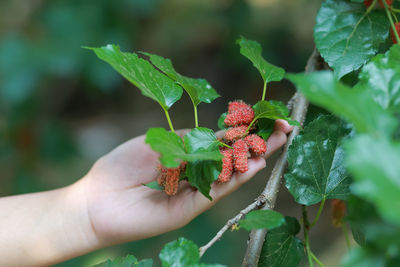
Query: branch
{"type": "Point", "coordinates": [271, 190]}
{"type": "Point", "coordinates": [268, 196]}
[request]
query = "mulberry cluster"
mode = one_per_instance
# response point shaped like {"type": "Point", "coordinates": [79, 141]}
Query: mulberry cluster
{"type": "Point", "coordinates": [239, 117]}
{"type": "Point", "coordinates": [169, 178]}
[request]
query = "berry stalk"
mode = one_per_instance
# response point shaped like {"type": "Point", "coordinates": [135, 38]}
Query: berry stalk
{"type": "Point", "coordinates": [395, 33]}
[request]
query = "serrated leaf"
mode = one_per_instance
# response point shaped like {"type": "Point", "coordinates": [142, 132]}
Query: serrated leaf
{"type": "Point", "coordinates": [181, 252]}
{"type": "Point", "coordinates": [347, 36]}
{"type": "Point", "coordinates": [381, 76]}
{"type": "Point", "coordinates": [262, 219]}
{"type": "Point", "coordinates": [253, 51]}
{"type": "Point", "coordinates": [265, 127]}
{"type": "Point", "coordinates": [201, 138]}
{"type": "Point", "coordinates": [201, 174]}
{"type": "Point", "coordinates": [142, 74]}
{"type": "Point", "coordinates": [374, 163]}
{"type": "Point", "coordinates": [127, 261]}
{"type": "Point", "coordinates": [199, 90]}
{"type": "Point", "coordinates": [221, 121]}
{"type": "Point", "coordinates": [154, 185]}
{"type": "Point", "coordinates": [355, 105]}
{"type": "Point", "coordinates": [273, 110]}
{"type": "Point", "coordinates": [316, 162]}
{"type": "Point", "coordinates": [282, 247]}
{"type": "Point", "coordinates": [172, 149]}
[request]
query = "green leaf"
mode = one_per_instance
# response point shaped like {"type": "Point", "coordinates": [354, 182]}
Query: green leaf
{"type": "Point", "coordinates": [355, 105]}
{"type": "Point", "coordinates": [172, 149]}
{"type": "Point", "coordinates": [201, 174]}
{"type": "Point", "coordinates": [262, 219]}
{"type": "Point", "coordinates": [253, 51]}
{"type": "Point", "coordinates": [381, 76]}
{"type": "Point", "coordinates": [221, 121]}
{"type": "Point", "coordinates": [142, 74]}
{"type": "Point", "coordinates": [181, 252]}
{"type": "Point", "coordinates": [374, 163]}
{"type": "Point", "coordinates": [347, 36]}
{"type": "Point", "coordinates": [315, 162]}
{"type": "Point", "coordinates": [361, 257]}
{"type": "Point", "coordinates": [201, 138]}
{"type": "Point", "coordinates": [281, 247]}
{"type": "Point", "coordinates": [128, 261]}
{"type": "Point", "coordinates": [154, 185]}
{"type": "Point", "coordinates": [272, 110]}
{"type": "Point", "coordinates": [265, 127]}
{"type": "Point", "coordinates": [199, 90]}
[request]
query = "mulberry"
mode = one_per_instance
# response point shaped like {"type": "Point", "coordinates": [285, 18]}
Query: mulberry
{"type": "Point", "coordinates": [256, 144]}
{"type": "Point", "coordinates": [338, 212]}
{"type": "Point", "coordinates": [163, 175]}
{"type": "Point", "coordinates": [169, 178]}
{"type": "Point", "coordinates": [235, 105]}
{"type": "Point", "coordinates": [235, 133]}
{"type": "Point", "coordinates": [240, 116]}
{"type": "Point", "coordinates": [227, 165]}
{"type": "Point", "coordinates": [397, 26]}
{"type": "Point", "coordinates": [240, 150]}
{"type": "Point", "coordinates": [368, 3]}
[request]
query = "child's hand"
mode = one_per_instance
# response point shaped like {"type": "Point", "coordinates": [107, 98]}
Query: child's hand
{"type": "Point", "coordinates": [121, 209]}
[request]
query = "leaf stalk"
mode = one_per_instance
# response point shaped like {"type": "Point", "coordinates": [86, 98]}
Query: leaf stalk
{"type": "Point", "coordinates": [264, 91]}
{"type": "Point", "coordinates": [396, 34]}
{"type": "Point", "coordinates": [169, 121]}
{"type": "Point", "coordinates": [321, 207]}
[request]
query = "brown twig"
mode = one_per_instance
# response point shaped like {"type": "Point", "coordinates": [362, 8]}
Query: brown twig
{"type": "Point", "coordinates": [268, 196]}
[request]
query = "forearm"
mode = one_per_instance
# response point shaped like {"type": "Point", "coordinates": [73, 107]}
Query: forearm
{"type": "Point", "coordinates": [45, 228]}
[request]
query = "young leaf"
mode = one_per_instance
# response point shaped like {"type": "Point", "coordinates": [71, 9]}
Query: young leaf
{"type": "Point", "coordinates": [172, 149]}
{"type": "Point", "coordinates": [201, 174]}
{"type": "Point", "coordinates": [374, 162]}
{"type": "Point", "coordinates": [347, 35]}
{"type": "Point", "coordinates": [262, 219]}
{"type": "Point", "coordinates": [199, 90]}
{"type": "Point", "coordinates": [355, 105]}
{"type": "Point", "coordinates": [272, 110]}
{"type": "Point", "coordinates": [142, 74]}
{"type": "Point", "coordinates": [154, 185]}
{"type": "Point", "coordinates": [282, 247]}
{"type": "Point", "coordinates": [253, 51]}
{"type": "Point", "coordinates": [381, 76]}
{"type": "Point", "coordinates": [127, 261]}
{"type": "Point", "coordinates": [316, 169]}
{"type": "Point", "coordinates": [265, 127]}
{"type": "Point", "coordinates": [201, 138]}
{"type": "Point", "coordinates": [221, 121]}
{"type": "Point", "coordinates": [181, 252]}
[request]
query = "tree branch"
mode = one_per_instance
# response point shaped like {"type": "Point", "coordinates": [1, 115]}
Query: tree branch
{"type": "Point", "coordinates": [267, 198]}
{"type": "Point", "coordinates": [271, 190]}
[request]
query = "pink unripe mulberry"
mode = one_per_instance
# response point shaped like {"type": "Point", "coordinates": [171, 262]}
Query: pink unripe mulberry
{"type": "Point", "coordinates": [240, 116]}
{"type": "Point", "coordinates": [235, 105]}
{"type": "Point", "coordinates": [256, 144]}
{"type": "Point", "coordinates": [240, 151]}
{"type": "Point", "coordinates": [235, 133]}
{"type": "Point", "coordinates": [227, 165]}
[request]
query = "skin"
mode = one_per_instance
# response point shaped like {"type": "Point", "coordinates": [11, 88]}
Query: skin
{"type": "Point", "coordinates": [107, 206]}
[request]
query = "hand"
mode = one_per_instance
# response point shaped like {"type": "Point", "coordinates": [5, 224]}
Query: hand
{"type": "Point", "coordinates": [121, 209]}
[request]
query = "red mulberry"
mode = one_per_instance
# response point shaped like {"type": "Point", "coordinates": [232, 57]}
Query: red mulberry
{"type": "Point", "coordinates": [397, 26]}
{"type": "Point", "coordinates": [172, 181]}
{"type": "Point", "coordinates": [227, 165]}
{"type": "Point", "coordinates": [256, 144]}
{"type": "Point", "coordinates": [338, 212]}
{"type": "Point", "coordinates": [235, 105]}
{"type": "Point", "coordinates": [367, 3]}
{"type": "Point", "coordinates": [240, 116]}
{"type": "Point", "coordinates": [235, 133]}
{"type": "Point", "coordinates": [240, 150]}
{"type": "Point", "coordinates": [163, 175]}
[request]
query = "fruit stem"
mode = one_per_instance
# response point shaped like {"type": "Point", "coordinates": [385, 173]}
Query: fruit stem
{"type": "Point", "coordinates": [394, 15]}
{"type": "Point", "coordinates": [346, 235]}
{"type": "Point", "coordinates": [264, 91]}
{"type": "Point", "coordinates": [225, 145]}
{"type": "Point", "coordinates": [396, 34]}
{"type": "Point", "coordinates": [306, 238]}
{"type": "Point", "coordinates": [316, 259]}
{"type": "Point", "coordinates": [169, 121]}
{"type": "Point", "coordinates": [321, 207]}
{"type": "Point", "coordinates": [395, 10]}
{"type": "Point", "coordinates": [196, 120]}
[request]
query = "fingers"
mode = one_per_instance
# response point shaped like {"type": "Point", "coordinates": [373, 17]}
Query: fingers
{"type": "Point", "coordinates": [274, 142]}
{"type": "Point", "coordinates": [282, 125]}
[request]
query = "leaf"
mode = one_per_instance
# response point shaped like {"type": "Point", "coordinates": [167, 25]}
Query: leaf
{"type": "Point", "coordinates": [201, 138]}
{"type": "Point", "coordinates": [142, 74]}
{"type": "Point", "coordinates": [199, 90]}
{"type": "Point", "coordinates": [381, 76]}
{"type": "Point", "coordinates": [154, 185]}
{"type": "Point", "coordinates": [272, 110]}
{"type": "Point", "coordinates": [361, 257]}
{"type": "Point", "coordinates": [265, 127]}
{"type": "Point", "coordinates": [172, 149]}
{"type": "Point", "coordinates": [127, 261]}
{"type": "Point", "coordinates": [282, 247]}
{"type": "Point", "coordinates": [347, 36]}
{"type": "Point", "coordinates": [262, 219]}
{"type": "Point", "coordinates": [201, 174]}
{"type": "Point", "coordinates": [221, 121]}
{"type": "Point", "coordinates": [181, 252]}
{"type": "Point", "coordinates": [253, 51]}
{"type": "Point", "coordinates": [374, 163]}
{"type": "Point", "coordinates": [355, 105]}
{"type": "Point", "coordinates": [316, 162]}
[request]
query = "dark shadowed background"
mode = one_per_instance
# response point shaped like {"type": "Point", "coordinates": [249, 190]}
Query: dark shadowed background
{"type": "Point", "coordinates": [61, 108]}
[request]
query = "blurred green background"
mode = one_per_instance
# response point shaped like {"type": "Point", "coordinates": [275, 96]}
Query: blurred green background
{"type": "Point", "coordinates": [61, 108]}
